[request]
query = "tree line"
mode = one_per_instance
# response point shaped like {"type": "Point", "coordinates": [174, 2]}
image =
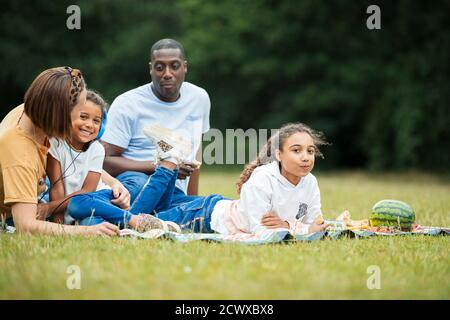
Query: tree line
{"type": "Point", "coordinates": [380, 96]}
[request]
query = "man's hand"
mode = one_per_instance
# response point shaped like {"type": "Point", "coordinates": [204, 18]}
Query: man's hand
{"type": "Point", "coordinates": [121, 195]}
{"type": "Point", "coordinates": [272, 221]}
{"type": "Point", "coordinates": [185, 170]}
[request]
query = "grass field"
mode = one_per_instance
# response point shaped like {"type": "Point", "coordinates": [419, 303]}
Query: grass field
{"type": "Point", "coordinates": [410, 267]}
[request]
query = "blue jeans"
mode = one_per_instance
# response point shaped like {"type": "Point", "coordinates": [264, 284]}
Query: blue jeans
{"type": "Point", "coordinates": [96, 207]}
{"type": "Point", "coordinates": [134, 181]}
{"type": "Point", "coordinates": [194, 215]}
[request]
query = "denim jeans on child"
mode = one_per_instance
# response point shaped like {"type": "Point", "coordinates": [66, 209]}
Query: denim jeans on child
{"type": "Point", "coordinates": [194, 215]}
{"type": "Point", "coordinates": [134, 181]}
{"type": "Point", "coordinates": [95, 207]}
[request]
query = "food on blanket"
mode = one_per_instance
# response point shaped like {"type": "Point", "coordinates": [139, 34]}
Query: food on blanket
{"type": "Point", "coordinates": [392, 230]}
{"type": "Point", "coordinates": [335, 224]}
{"type": "Point", "coordinates": [344, 221]}
{"type": "Point", "coordinates": [350, 223]}
{"type": "Point", "coordinates": [340, 222]}
{"type": "Point", "coordinates": [392, 213]}
{"type": "Point", "coordinates": [358, 224]}
{"type": "Point", "coordinates": [344, 216]}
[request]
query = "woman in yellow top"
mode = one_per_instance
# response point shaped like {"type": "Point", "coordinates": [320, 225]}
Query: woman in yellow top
{"type": "Point", "coordinates": [24, 143]}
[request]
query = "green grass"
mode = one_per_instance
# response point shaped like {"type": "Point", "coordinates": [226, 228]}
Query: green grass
{"type": "Point", "coordinates": [411, 267]}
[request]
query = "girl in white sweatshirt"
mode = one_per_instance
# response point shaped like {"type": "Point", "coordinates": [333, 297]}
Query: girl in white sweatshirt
{"type": "Point", "coordinates": [277, 190]}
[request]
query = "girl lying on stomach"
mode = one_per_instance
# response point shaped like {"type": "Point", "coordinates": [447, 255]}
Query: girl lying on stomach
{"type": "Point", "coordinates": [277, 190]}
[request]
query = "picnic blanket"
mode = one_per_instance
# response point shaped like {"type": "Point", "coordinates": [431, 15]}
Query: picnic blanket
{"type": "Point", "coordinates": [281, 235]}
{"type": "Point", "coordinates": [269, 236]}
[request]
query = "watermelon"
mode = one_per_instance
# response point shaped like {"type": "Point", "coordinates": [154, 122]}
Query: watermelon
{"type": "Point", "coordinates": [394, 213]}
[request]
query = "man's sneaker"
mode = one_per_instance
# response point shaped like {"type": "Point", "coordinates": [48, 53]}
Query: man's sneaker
{"type": "Point", "coordinates": [148, 222]}
{"type": "Point", "coordinates": [170, 144]}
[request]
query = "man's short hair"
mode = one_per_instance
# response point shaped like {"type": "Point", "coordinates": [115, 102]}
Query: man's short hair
{"type": "Point", "coordinates": [167, 44]}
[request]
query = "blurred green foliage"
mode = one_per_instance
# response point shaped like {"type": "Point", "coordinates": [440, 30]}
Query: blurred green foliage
{"type": "Point", "coordinates": [380, 96]}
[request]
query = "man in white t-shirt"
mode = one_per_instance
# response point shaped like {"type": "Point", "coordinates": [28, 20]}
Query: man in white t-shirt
{"type": "Point", "coordinates": [168, 101]}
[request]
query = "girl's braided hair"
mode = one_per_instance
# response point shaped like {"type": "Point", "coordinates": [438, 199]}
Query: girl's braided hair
{"type": "Point", "coordinates": [276, 142]}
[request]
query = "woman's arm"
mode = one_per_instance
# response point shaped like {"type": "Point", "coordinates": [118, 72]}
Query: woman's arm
{"type": "Point", "coordinates": [24, 216]}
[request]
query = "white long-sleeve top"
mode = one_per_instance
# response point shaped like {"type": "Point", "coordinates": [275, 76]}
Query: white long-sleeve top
{"type": "Point", "coordinates": [267, 190]}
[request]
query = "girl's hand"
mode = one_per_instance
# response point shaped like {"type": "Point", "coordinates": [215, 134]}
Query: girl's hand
{"type": "Point", "coordinates": [121, 195]}
{"type": "Point", "coordinates": [317, 227]}
{"type": "Point", "coordinates": [104, 229]}
{"type": "Point", "coordinates": [272, 221]}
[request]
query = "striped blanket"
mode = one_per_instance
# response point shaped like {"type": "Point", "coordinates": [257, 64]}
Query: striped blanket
{"type": "Point", "coordinates": [276, 235]}
{"type": "Point", "coordinates": [281, 235]}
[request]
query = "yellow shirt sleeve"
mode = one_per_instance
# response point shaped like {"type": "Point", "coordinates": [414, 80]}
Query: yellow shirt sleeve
{"type": "Point", "coordinates": [22, 163]}
{"type": "Point", "coordinates": [20, 184]}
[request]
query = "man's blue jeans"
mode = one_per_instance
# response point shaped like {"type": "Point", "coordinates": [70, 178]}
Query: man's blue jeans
{"type": "Point", "coordinates": [95, 207]}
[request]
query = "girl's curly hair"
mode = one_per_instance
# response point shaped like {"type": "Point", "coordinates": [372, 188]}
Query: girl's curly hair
{"type": "Point", "coordinates": [276, 142]}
